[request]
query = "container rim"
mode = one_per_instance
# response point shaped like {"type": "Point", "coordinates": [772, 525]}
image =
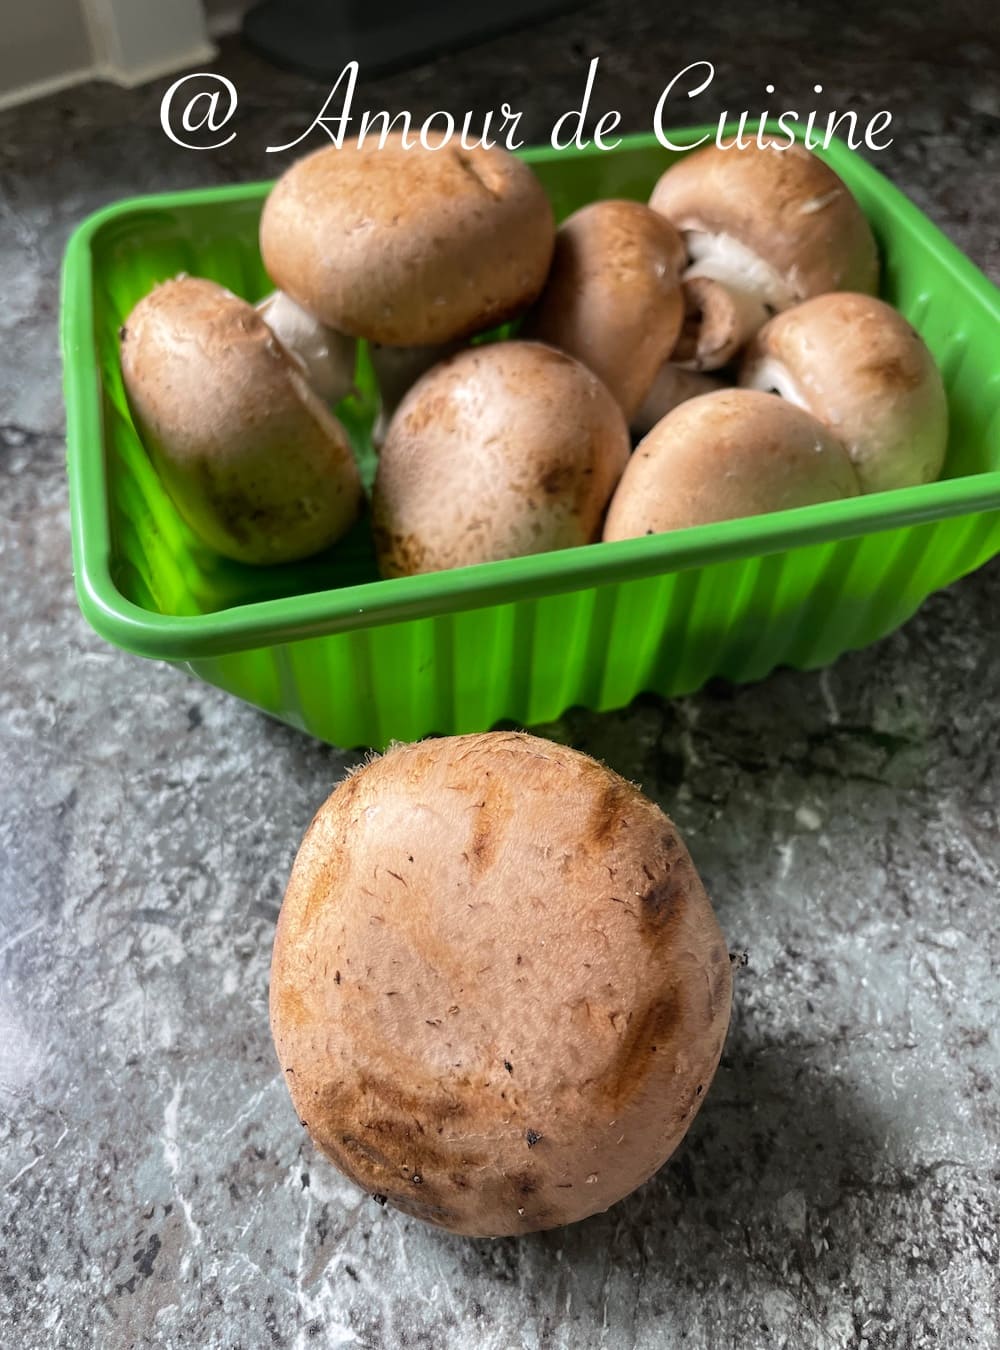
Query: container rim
{"type": "Point", "coordinates": [341, 609]}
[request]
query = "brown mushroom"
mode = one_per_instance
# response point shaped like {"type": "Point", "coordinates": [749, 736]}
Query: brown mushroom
{"type": "Point", "coordinates": [506, 449]}
{"type": "Point", "coordinates": [857, 365]}
{"type": "Point", "coordinates": [613, 297]}
{"type": "Point", "coordinates": [764, 228]}
{"type": "Point", "coordinates": [498, 989]}
{"type": "Point", "coordinates": [408, 247]}
{"type": "Point", "coordinates": [724, 455]}
{"type": "Point", "coordinates": [254, 461]}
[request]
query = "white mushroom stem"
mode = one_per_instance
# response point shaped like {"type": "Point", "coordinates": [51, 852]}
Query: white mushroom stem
{"type": "Point", "coordinates": [729, 293]}
{"type": "Point", "coordinates": [673, 385]}
{"type": "Point", "coordinates": [397, 370]}
{"type": "Point", "coordinates": [326, 356]}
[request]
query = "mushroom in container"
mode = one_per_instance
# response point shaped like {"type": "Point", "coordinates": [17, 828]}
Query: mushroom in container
{"type": "Point", "coordinates": [613, 296]}
{"type": "Point", "coordinates": [857, 365]}
{"type": "Point", "coordinates": [505, 449]}
{"type": "Point", "coordinates": [725, 455]}
{"type": "Point", "coordinates": [499, 992]}
{"type": "Point", "coordinates": [252, 457]}
{"type": "Point", "coordinates": [764, 228]}
{"type": "Point", "coordinates": [408, 247]}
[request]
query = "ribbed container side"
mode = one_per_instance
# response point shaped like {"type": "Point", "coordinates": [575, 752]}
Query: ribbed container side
{"type": "Point", "coordinates": [530, 661]}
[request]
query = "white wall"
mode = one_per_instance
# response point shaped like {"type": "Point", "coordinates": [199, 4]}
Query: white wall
{"type": "Point", "coordinates": [45, 43]}
{"type": "Point", "coordinates": [48, 44]}
{"type": "Point", "coordinates": [139, 40]}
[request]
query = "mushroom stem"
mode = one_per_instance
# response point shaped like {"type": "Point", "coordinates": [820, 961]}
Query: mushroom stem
{"type": "Point", "coordinates": [397, 369]}
{"type": "Point", "coordinates": [719, 320]}
{"type": "Point", "coordinates": [673, 385]}
{"type": "Point", "coordinates": [326, 356]}
{"type": "Point", "coordinates": [729, 293]}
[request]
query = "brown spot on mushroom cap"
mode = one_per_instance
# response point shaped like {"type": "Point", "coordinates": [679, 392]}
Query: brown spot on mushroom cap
{"type": "Point", "coordinates": [857, 365]}
{"type": "Point", "coordinates": [610, 808]}
{"type": "Point", "coordinates": [631, 1065]}
{"type": "Point", "coordinates": [409, 247]}
{"type": "Point", "coordinates": [614, 1016]}
{"type": "Point", "coordinates": [503, 450]}
{"type": "Point", "coordinates": [254, 461]}
{"type": "Point", "coordinates": [787, 206]}
{"type": "Point", "coordinates": [659, 898]}
{"type": "Point", "coordinates": [556, 478]}
{"type": "Point", "coordinates": [613, 297]}
{"type": "Point", "coordinates": [490, 819]}
{"type": "Point", "coordinates": [732, 453]}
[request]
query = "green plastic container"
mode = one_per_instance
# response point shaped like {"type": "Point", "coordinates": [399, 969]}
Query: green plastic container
{"type": "Point", "coordinates": [328, 647]}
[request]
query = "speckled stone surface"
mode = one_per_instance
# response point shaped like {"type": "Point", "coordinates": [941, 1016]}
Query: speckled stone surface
{"type": "Point", "coordinates": [839, 1188]}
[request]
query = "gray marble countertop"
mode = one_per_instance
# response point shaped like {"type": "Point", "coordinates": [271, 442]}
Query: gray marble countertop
{"type": "Point", "coordinates": [839, 1188]}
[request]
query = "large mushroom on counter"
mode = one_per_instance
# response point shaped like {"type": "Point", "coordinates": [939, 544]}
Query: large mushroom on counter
{"type": "Point", "coordinates": [252, 457]}
{"type": "Point", "coordinates": [506, 449]}
{"type": "Point", "coordinates": [857, 365]}
{"type": "Point", "coordinates": [613, 296]}
{"type": "Point", "coordinates": [765, 228]}
{"type": "Point", "coordinates": [725, 455]}
{"type": "Point", "coordinates": [498, 990]}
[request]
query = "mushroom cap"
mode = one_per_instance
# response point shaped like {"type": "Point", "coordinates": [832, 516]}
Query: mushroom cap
{"type": "Point", "coordinates": [856, 364]}
{"type": "Point", "coordinates": [787, 207]}
{"type": "Point", "coordinates": [498, 989]}
{"type": "Point", "coordinates": [254, 461]}
{"type": "Point", "coordinates": [408, 247]}
{"type": "Point", "coordinates": [505, 449]}
{"type": "Point", "coordinates": [723, 455]}
{"type": "Point", "coordinates": [613, 296]}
